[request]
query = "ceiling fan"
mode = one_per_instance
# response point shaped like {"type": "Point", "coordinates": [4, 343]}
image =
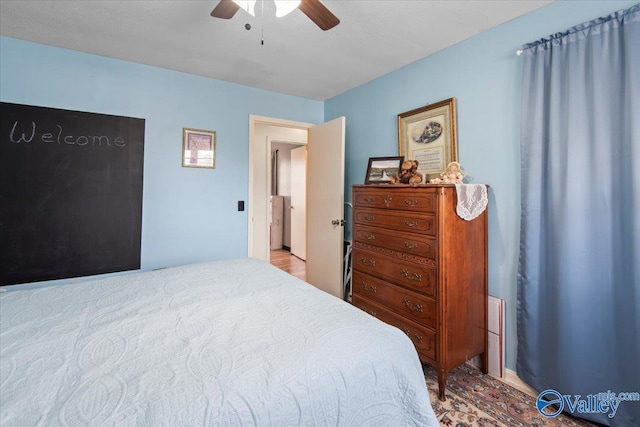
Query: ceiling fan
{"type": "Point", "coordinates": [315, 10]}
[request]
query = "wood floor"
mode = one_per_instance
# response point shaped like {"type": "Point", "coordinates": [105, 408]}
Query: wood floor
{"type": "Point", "coordinates": [290, 263]}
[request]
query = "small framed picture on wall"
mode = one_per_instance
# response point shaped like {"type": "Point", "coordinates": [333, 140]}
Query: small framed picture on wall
{"type": "Point", "coordinates": [198, 148]}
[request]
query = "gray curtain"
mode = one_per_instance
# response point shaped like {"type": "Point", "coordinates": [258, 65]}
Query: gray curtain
{"type": "Point", "coordinates": [579, 273]}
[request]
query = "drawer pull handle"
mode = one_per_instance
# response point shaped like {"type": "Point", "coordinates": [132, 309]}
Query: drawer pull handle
{"type": "Point", "coordinates": [413, 277]}
{"type": "Point", "coordinates": [368, 199]}
{"type": "Point", "coordinates": [369, 218]}
{"type": "Point", "coordinates": [369, 262]}
{"type": "Point", "coordinates": [410, 223]}
{"type": "Point", "coordinates": [368, 288]}
{"type": "Point", "coordinates": [387, 200]}
{"type": "Point", "coordinates": [410, 246]}
{"type": "Point", "coordinates": [416, 307]}
{"type": "Point", "coordinates": [410, 202]}
{"type": "Point", "coordinates": [370, 237]}
{"type": "Point", "coordinates": [416, 337]}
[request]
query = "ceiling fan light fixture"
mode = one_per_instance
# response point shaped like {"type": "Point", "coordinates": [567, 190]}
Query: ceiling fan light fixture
{"type": "Point", "coordinates": [314, 9]}
{"type": "Point", "coordinates": [285, 7]}
{"type": "Point", "coordinates": [248, 6]}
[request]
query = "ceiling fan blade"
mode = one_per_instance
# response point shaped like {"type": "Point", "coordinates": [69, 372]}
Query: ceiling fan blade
{"type": "Point", "coordinates": [319, 14]}
{"type": "Point", "coordinates": [225, 9]}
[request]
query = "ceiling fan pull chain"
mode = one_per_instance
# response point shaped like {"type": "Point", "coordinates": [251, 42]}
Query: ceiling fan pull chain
{"type": "Point", "coordinates": [262, 25]}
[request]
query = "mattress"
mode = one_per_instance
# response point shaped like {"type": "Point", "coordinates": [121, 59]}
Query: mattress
{"type": "Point", "coordinates": [226, 343]}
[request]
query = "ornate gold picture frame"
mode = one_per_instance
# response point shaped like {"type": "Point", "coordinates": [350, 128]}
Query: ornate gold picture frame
{"type": "Point", "coordinates": [428, 134]}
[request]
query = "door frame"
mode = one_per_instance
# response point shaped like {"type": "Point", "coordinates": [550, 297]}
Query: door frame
{"type": "Point", "coordinates": [262, 158]}
{"type": "Point", "coordinates": [298, 205]}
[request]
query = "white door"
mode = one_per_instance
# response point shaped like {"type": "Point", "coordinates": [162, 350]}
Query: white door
{"type": "Point", "coordinates": [325, 206]}
{"type": "Point", "coordinates": [299, 202]}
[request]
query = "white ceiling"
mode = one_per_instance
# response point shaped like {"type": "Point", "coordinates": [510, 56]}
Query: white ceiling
{"type": "Point", "coordinates": [374, 37]}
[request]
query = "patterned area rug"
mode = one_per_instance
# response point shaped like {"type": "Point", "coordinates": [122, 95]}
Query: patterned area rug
{"type": "Point", "coordinates": [474, 399]}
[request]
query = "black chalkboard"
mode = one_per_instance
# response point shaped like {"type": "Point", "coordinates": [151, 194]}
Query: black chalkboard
{"type": "Point", "coordinates": [70, 193]}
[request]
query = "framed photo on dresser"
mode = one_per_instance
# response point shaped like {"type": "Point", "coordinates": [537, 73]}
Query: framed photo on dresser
{"type": "Point", "coordinates": [381, 169]}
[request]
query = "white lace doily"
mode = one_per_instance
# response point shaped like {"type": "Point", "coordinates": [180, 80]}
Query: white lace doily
{"type": "Point", "coordinates": [472, 200]}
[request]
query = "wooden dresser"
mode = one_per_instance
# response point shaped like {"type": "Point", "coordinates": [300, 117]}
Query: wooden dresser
{"type": "Point", "coordinates": [420, 267]}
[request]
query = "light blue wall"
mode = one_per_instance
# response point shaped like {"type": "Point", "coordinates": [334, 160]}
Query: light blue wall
{"type": "Point", "coordinates": [189, 215]}
{"type": "Point", "coordinates": [484, 74]}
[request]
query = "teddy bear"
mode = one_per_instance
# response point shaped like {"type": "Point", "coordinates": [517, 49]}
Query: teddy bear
{"type": "Point", "coordinates": [453, 175]}
{"type": "Point", "coordinates": [408, 173]}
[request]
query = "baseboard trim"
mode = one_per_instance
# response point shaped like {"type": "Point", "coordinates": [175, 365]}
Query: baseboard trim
{"type": "Point", "coordinates": [512, 378]}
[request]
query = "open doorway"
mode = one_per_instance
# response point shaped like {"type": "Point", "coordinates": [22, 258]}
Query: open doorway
{"type": "Point", "coordinates": [325, 194]}
{"type": "Point", "coordinates": [266, 133]}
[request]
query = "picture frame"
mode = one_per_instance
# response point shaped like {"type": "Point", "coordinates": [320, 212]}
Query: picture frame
{"type": "Point", "coordinates": [381, 169]}
{"type": "Point", "coordinates": [429, 135]}
{"type": "Point", "coordinates": [198, 148]}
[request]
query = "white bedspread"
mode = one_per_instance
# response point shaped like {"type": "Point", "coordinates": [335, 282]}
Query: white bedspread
{"type": "Point", "coordinates": [226, 343]}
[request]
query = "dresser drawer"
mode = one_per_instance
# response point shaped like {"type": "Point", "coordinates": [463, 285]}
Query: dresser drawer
{"type": "Point", "coordinates": [421, 278]}
{"type": "Point", "coordinates": [423, 338]}
{"type": "Point", "coordinates": [396, 220]}
{"type": "Point", "coordinates": [414, 244]}
{"type": "Point", "coordinates": [423, 201]}
{"type": "Point", "coordinates": [409, 304]}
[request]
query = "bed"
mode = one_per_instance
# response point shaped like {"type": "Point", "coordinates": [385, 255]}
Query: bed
{"type": "Point", "coordinates": [225, 343]}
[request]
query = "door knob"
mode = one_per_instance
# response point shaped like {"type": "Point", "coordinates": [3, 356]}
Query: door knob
{"type": "Point", "coordinates": [338, 222]}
